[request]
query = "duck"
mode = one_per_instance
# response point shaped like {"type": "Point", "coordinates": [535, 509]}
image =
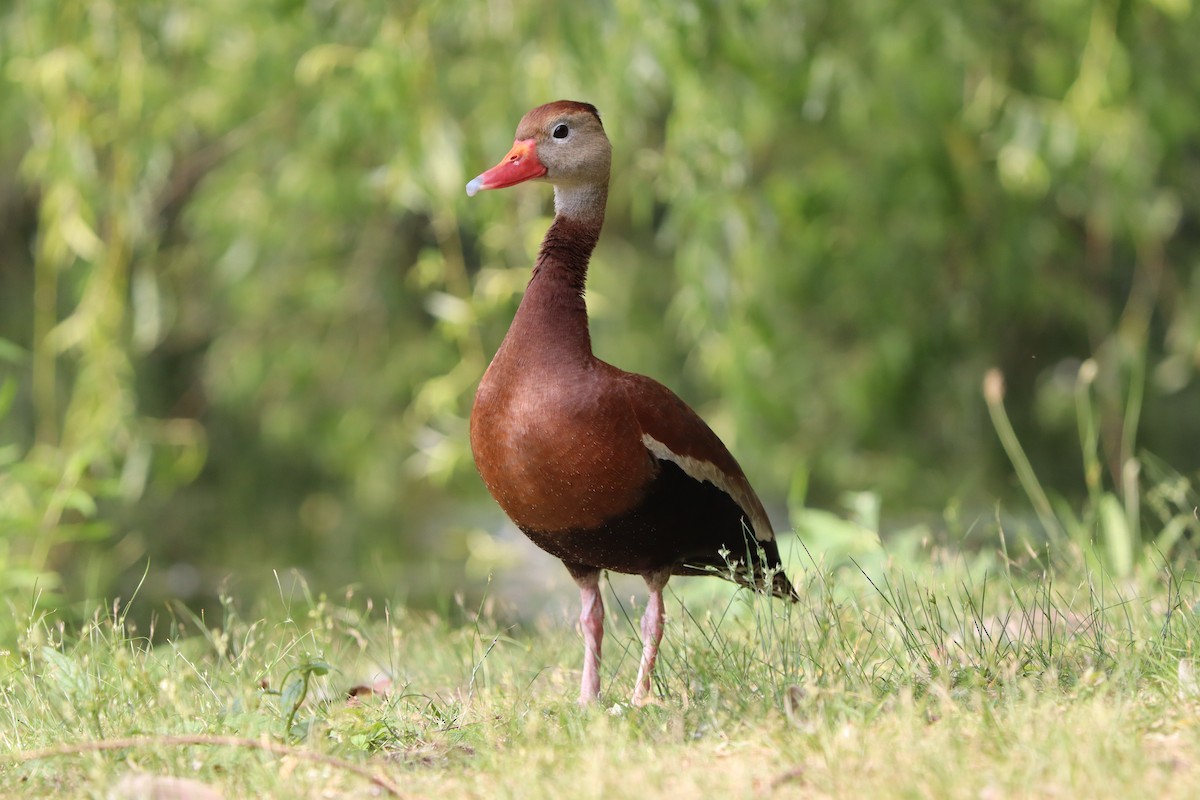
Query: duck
{"type": "Point", "coordinates": [602, 468]}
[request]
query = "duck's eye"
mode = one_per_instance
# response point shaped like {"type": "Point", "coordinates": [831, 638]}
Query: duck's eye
{"type": "Point", "coordinates": [560, 131]}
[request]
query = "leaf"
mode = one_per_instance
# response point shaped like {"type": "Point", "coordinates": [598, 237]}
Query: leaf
{"type": "Point", "coordinates": [8, 391]}
{"type": "Point", "coordinates": [12, 353]}
{"type": "Point", "coordinates": [293, 694]}
{"type": "Point", "coordinates": [836, 537]}
{"type": "Point", "coordinates": [1171, 533]}
{"type": "Point", "coordinates": [1116, 536]}
{"type": "Point", "coordinates": [9, 454]}
{"type": "Point", "coordinates": [449, 308]}
{"type": "Point", "coordinates": [66, 672]}
{"type": "Point", "coordinates": [317, 667]}
{"type": "Point", "coordinates": [77, 499]}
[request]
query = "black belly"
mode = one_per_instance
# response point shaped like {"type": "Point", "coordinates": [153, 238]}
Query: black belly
{"type": "Point", "coordinates": [681, 524]}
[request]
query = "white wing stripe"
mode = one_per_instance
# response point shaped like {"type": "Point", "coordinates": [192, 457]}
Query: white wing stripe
{"type": "Point", "coordinates": [707, 471]}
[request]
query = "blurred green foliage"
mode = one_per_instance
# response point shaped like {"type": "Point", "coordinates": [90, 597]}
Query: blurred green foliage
{"type": "Point", "coordinates": [245, 301]}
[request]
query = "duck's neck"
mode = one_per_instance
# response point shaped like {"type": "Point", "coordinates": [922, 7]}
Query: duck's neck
{"type": "Point", "coordinates": [552, 319]}
{"type": "Point", "coordinates": [583, 203]}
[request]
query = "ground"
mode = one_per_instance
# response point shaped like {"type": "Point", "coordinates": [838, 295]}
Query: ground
{"type": "Point", "coordinates": [942, 677]}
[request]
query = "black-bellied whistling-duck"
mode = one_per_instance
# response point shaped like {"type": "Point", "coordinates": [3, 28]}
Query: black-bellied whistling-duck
{"type": "Point", "coordinates": [602, 468]}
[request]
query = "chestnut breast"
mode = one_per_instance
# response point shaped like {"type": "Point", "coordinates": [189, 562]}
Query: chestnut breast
{"type": "Point", "coordinates": [559, 449]}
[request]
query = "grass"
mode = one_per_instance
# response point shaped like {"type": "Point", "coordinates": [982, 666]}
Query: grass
{"type": "Point", "coordinates": [939, 678]}
{"type": "Point", "coordinates": [1063, 667]}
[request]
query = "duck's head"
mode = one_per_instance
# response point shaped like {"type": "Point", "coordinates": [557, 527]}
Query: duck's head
{"type": "Point", "coordinates": [561, 143]}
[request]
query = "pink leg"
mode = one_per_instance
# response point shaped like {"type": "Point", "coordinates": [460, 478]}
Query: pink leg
{"type": "Point", "coordinates": [652, 631]}
{"type": "Point", "coordinates": [591, 620]}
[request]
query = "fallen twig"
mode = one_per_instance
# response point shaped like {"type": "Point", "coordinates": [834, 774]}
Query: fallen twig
{"type": "Point", "coordinates": [73, 748]}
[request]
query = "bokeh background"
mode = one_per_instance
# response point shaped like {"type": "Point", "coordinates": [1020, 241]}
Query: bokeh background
{"type": "Point", "coordinates": [244, 300]}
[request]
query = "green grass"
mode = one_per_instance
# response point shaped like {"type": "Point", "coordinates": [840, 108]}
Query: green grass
{"type": "Point", "coordinates": [941, 677]}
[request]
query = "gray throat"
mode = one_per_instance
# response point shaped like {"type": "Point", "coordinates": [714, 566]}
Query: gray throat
{"type": "Point", "coordinates": [583, 203]}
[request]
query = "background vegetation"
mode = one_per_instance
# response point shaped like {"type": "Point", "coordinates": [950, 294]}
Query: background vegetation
{"type": "Point", "coordinates": [244, 301]}
{"type": "Point", "coordinates": [932, 271]}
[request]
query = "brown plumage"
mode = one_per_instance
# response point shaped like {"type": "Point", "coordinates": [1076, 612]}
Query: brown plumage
{"type": "Point", "coordinates": [600, 467]}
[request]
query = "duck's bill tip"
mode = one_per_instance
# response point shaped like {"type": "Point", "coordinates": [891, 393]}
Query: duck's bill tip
{"type": "Point", "coordinates": [521, 164]}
